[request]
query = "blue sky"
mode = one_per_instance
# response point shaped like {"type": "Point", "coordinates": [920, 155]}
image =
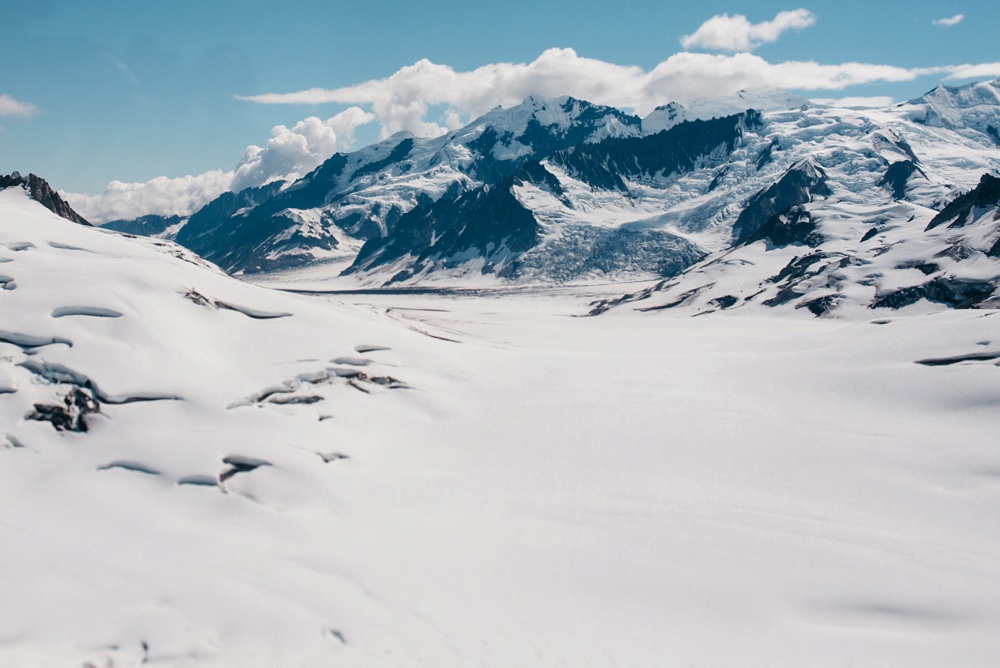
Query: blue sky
{"type": "Point", "coordinates": [112, 90]}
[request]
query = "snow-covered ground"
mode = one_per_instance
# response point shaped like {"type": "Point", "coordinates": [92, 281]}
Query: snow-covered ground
{"type": "Point", "coordinates": [507, 484]}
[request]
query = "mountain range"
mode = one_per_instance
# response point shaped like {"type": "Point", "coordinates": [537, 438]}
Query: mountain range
{"type": "Point", "coordinates": [563, 190]}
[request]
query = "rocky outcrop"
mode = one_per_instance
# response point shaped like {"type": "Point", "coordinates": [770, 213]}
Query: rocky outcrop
{"type": "Point", "coordinates": [898, 177]}
{"type": "Point", "coordinates": [39, 190]}
{"type": "Point", "coordinates": [960, 211]}
{"type": "Point", "coordinates": [797, 187]}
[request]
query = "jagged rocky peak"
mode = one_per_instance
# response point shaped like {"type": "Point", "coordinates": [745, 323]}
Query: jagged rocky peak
{"type": "Point", "coordinates": [799, 185]}
{"type": "Point", "coordinates": [39, 190]}
{"type": "Point", "coordinates": [900, 176]}
{"type": "Point", "coordinates": [965, 208]}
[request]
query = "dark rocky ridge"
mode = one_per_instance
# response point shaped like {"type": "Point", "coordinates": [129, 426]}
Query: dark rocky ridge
{"type": "Point", "coordinates": [953, 292]}
{"type": "Point", "coordinates": [799, 185]}
{"type": "Point", "coordinates": [39, 190]}
{"type": "Point", "coordinates": [959, 211]}
{"type": "Point", "coordinates": [897, 178]}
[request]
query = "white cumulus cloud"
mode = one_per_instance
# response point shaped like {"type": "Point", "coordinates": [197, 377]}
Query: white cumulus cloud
{"type": "Point", "coordinates": [950, 21]}
{"type": "Point", "coordinates": [289, 154]}
{"type": "Point", "coordinates": [293, 152]}
{"type": "Point", "coordinates": [13, 108]}
{"type": "Point", "coordinates": [735, 33]}
{"type": "Point", "coordinates": [164, 196]}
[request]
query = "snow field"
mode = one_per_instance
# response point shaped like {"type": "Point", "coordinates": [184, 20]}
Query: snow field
{"type": "Point", "coordinates": [634, 489]}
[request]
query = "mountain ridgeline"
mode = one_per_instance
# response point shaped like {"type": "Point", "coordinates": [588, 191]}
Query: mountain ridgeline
{"type": "Point", "coordinates": [566, 190]}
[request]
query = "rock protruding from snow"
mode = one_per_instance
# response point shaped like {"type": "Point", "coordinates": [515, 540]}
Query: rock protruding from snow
{"type": "Point", "coordinates": [899, 176]}
{"type": "Point", "coordinates": [40, 191]}
{"type": "Point", "coordinates": [799, 185]}
{"type": "Point", "coordinates": [966, 208]}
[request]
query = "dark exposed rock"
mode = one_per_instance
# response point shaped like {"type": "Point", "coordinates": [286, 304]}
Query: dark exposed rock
{"type": "Point", "coordinates": [957, 251]}
{"type": "Point", "coordinates": [799, 185]}
{"type": "Point", "coordinates": [767, 155]}
{"type": "Point", "coordinates": [795, 226]}
{"type": "Point", "coordinates": [682, 299]}
{"type": "Point", "coordinates": [604, 305]}
{"type": "Point", "coordinates": [40, 191]}
{"type": "Point", "coordinates": [870, 234]}
{"type": "Point", "coordinates": [796, 271]}
{"type": "Point", "coordinates": [786, 294]}
{"type": "Point", "coordinates": [798, 268]}
{"type": "Point", "coordinates": [897, 178]}
{"type": "Point", "coordinates": [534, 173]}
{"type": "Point", "coordinates": [995, 250]}
{"type": "Point", "coordinates": [717, 179]}
{"type": "Point", "coordinates": [399, 153]}
{"type": "Point", "coordinates": [959, 212]}
{"type": "Point", "coordinates": [821, 305]}
{"type": "Point", "coordinates": [724, 302]}
{"type": "Point", "coordinates": [953, 292]}
{"type": "Point", "coordinates": [926, 268]}
{"type": "Point", "coordinates": [232, 242]}
{"type": "Point", "coordinates": [71, 415]}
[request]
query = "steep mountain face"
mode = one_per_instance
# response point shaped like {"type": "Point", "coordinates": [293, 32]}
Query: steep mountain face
{"type": "Point", "coordinates": [970, 110]}
{"type": "Point", "coordinates": [488, 223]}
{"type": "Point", "coordinates": [39, 190]}
{"type": "Point", "coordinates": [354, 197]}
{"type": "Point", "coordinates": [765, 215]}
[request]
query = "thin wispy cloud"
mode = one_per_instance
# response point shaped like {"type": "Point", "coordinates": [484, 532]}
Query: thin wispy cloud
{"type": "Point", "coordinates": [723, 32]}
{"type": "Point", "coordinates": [977, 71]}
{"type": "Point", "coordinates": [13, 108]}
{"type": "Point", "coordinates": [949, 22]}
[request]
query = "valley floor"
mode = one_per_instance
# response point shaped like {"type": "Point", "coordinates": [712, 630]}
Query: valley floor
{"type": "Point", "coordinates": [634, 489]}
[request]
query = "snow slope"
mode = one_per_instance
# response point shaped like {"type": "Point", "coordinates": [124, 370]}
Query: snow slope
{"type": "Point", "coordinates": [635, 489]}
